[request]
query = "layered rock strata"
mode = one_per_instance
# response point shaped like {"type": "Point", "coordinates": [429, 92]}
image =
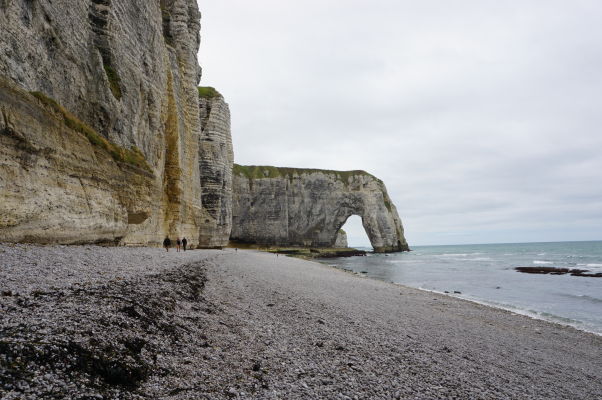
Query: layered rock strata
{"type": "Point", "coordinates": [307, 207]}
{"type": "Point", "coordinates": [128, 70]}
{"type": "Point", "coordinates": [216, 159]}
{"type": "Point", "coordinates": [56, 186]}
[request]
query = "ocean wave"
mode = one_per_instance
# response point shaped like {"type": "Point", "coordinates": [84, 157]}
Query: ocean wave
{"type": "Point", "coordinates": [591, 266]}
{"type": "Point", "coordinates": [542, 315]}
{"type": "Point", "coordinates": [584, 297]}
{"type": "Point", "coordinates": [542, 262]}
{"type": "Point", "coordinates": [480, 259]}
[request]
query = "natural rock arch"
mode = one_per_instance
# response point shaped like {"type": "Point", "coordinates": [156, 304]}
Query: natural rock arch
{"type": "Point", "coordinates": [307, 207]}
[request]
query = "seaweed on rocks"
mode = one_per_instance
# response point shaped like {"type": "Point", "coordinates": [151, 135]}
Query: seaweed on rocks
{"type": "Point", "coordinates": [106, 339]}
{"type": "Point", "coordinates": [558, 271]}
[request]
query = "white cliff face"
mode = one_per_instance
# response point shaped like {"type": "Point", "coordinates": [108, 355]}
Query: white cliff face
{"type": "Point", "coordinates": [341, 240]}
{"type": "Point", "coordinates": [128, 70]}
{"type": "Point", "coordinates": [216, 159]}
{"type": "Point", "coordinates": [304, 207]}
{"type": "Point", "coordinates": [55, 187]}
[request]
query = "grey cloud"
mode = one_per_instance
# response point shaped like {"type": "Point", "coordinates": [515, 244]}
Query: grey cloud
{"type": "Point", "coordinates": [482, 117]}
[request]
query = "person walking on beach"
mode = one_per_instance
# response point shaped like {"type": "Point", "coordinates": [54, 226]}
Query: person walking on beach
{"type": "Point", "coordinates": [166, 243]}
{"type": "Point", "coordinates": [184, 243]}
{"type": "Point", "coordinates": [178, 242]}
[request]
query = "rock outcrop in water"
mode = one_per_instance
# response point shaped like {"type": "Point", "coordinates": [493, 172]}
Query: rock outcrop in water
{"type": "Point", "coordinates": [216, 159]}
{"type": "Point", "coordinates": [108, 148]}
{"type": "Point", "coordinates": [307, 207]}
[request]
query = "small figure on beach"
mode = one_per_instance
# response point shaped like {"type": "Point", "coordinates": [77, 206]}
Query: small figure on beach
{"type": "Point", "coordinates": [166, 243]}
{"type": "Point", "coordinates": [178, 243]}
{"type": "Point", "coordinates": [184, 243]}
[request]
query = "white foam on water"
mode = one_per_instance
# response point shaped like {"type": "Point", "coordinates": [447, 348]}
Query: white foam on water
{"type": "Point", "coordinates": [525, 312]}
{"type": "Point", "coordinates": [542, 262]}
{"type": "Point", "coordinates": [594, 267]}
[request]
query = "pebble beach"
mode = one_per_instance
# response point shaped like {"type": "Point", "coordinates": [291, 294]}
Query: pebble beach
{"type": "Point", "coordinates": [90, 322]}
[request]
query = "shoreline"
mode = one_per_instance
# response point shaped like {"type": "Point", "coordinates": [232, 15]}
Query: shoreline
{"type": "Point", "coordinates": [525, 313]}
{"type": "Point", "coordinates": [223, 324]}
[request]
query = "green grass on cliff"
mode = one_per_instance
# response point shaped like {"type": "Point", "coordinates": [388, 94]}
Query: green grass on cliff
{"type": "Point", "coordinates": [132, 156]}
{"type": "Point", "coordinates": [259, 172]}
{"type": "Point", "coordinates": [114, 81]}
{"type": "Point", "coordinates": [207, 92]}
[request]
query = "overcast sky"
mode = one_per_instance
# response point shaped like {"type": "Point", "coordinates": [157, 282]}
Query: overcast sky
{"type": "Point", "coordinates": [482, 117]}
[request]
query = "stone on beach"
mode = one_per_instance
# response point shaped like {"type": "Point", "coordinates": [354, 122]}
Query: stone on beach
{"type": "Point", "coordinates": [195, 325]}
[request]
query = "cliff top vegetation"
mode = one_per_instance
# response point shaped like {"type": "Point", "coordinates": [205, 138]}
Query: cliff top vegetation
{"type": "Point", "coordinates": [208, 92]}
{"type": "Point", "coordinates": [131, 156]}
{"type": "Point", "coordinates": [266, 171]}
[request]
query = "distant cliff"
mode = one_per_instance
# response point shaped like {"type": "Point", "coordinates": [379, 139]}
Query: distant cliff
{"type": "Point", "coordinates": [307, 207]}
{"type": "Point", "coordinates": [216, 159]}
{"type": "Point", "coordinates": [100, 123]}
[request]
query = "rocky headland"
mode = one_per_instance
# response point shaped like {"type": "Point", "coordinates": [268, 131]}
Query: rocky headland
{"type": "Point", "coordinates": [308, 207]}
{"type": "Point", "coordinates": [216, 161]}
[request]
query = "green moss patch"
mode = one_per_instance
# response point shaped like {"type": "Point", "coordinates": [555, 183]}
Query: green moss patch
{"type": "Point", "coordinates": [114, 81]}
{"type": "Point", "coordinates": [306, 253]}
{"type": "Point", "coordinates": [207, 92]}
{"type": "Point", "coordinates": [259, 172]}
{"type": "Point", "coordinates": [131, 156]}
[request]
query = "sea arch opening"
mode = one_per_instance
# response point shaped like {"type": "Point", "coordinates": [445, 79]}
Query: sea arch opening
{"type": "Point", "coordinates": [357, 237]}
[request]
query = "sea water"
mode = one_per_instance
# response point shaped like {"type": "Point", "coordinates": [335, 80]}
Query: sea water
{"type": "Point", "coordinates": [485, 273]}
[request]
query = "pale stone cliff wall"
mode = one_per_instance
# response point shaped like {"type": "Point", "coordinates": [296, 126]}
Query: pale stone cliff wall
{"type": "Point", "coordinates": [305, 207]}
{"type": "Point", "coordinates": [57, 187]}
{"type": "Point", "coordinates": [341, 240]}
{"type": "Point", "coordinates": [216, 159]}
{"type": "Point", "coordinates": [126, 68]}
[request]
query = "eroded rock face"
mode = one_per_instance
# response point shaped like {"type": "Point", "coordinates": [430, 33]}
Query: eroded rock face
{"type": "Point", "coordinates": [216, 159]}
{"type": "Point", "coordinates": [305, 207]}
{"type": "Point", "coordinates": [57, 187]}
{"type": "Point", "coordinates": [126, 68]}
{"type": "Point", "coordinates": [341, 240]}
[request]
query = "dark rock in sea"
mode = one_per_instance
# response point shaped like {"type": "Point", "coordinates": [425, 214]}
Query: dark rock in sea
{"type": "Point", "coordinates": [343, 253]}
{"type": "Point", "coordinates": [457, 292]}
{"type": "Point", "coordinates": [595, 275]}
{"type": "Point", "coordinates": [558, 271]}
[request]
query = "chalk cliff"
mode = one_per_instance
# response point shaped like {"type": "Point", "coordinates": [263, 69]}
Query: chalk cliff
{"type": "Point", "coordinates": [108, 148]}
{"type": "Point", "coordinates": [307, 207]}
{"type": "Point", "coordinates": [341, 240]}
{"type": "Point", "coordinates": [216, 159]}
